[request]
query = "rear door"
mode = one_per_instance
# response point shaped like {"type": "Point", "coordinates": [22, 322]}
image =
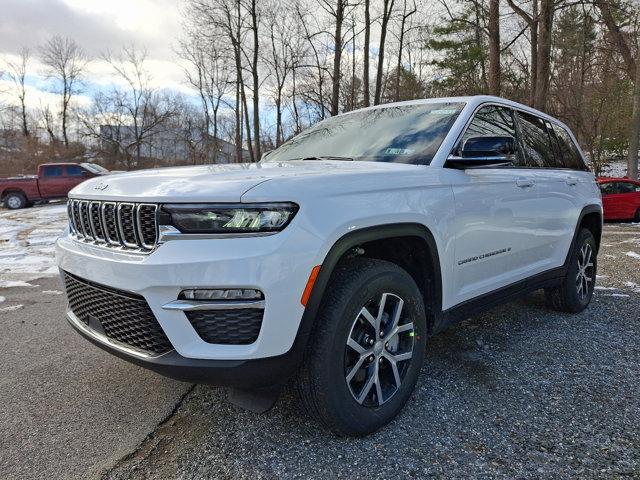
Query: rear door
{"type": "Point", "coordinates": [557, 190]}
{"type": "Point", "coordinates": [496, 215]}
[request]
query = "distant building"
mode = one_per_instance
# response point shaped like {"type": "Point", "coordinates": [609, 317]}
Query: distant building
{"type": "Point", "coordinates": [172, 144]}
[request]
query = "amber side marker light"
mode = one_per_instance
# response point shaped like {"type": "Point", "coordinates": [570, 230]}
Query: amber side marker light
{"type": "Point", "coordinates": [309, 287]}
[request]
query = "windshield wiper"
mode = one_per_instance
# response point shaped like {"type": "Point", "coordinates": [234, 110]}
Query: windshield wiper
{"type": "Point", "coordinates": [328, 157]}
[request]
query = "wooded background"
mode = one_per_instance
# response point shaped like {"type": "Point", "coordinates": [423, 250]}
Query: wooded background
{"type": "Point", "coordinates": [261, 71]}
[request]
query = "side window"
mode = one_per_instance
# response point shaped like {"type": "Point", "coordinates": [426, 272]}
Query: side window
{"type": "Point", "coordinates": [537, 142]}
{"type": "Point", "coordinates": [53, 171]}
{"type": "Point", "coordinates": [570, 154]}
{"type": "Point", "coordinates": [607, 188]}
{"type": "Point", "coordinates": [626, 187]}
{"type": "Point", "coordinates": [74, 170]}
{"type": "Point", "coordinates": [492, 121]}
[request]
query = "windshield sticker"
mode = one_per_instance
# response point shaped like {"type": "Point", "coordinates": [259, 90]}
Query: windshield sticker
{"type": "Point", "coordinates": [399, 151]}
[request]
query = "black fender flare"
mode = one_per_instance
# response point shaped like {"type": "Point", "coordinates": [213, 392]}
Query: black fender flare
{"type": "Point", "coordinates": [337, 251]}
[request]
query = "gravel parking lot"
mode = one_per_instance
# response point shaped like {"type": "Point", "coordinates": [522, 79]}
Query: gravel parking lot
{"type": "Point", "coordinates": [519, 392]}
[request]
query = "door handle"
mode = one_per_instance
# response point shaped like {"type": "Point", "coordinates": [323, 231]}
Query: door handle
{"type": "Point", "coordinates": [571, 181]}
{"type": "Point", "coordinates": [525, 182]}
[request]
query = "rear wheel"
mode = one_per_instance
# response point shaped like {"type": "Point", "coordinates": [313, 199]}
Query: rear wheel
{"type": "Point", "coordinates": [574, 293]}
{"type": "Point", "coordinates": [366, 350]}
{"type": "Point", "coordinates": [15, 200]}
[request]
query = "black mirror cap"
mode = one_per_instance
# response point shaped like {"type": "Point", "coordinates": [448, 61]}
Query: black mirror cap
{"type": "Point", "coordinates": [489, 146]}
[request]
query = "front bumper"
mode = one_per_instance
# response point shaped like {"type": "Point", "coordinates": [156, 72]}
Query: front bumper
{"type": "Point", "coordinates": [265, 372]}
{"type": "Point", "coordinates": [278, 265]}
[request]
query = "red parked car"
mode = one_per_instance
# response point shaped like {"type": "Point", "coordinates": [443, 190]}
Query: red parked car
{"type": "Point", "coordinates": [620, 198]}
{"type": "Point", "coordinates": [54, 180]}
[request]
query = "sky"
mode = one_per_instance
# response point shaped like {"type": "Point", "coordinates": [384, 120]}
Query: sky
{"type": "Point", "coordinates": [98, 26]}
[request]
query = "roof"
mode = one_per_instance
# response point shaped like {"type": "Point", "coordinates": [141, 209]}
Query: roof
{"type": "Point", "coordinates": [472, 101]}
{"type": "Point", "coordinates": [616, 179]}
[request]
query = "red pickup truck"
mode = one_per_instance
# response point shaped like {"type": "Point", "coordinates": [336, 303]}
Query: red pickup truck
{"type": "Point", "coordinates": [54, 180]}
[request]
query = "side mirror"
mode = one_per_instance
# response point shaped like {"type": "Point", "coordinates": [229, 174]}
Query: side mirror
{"type": "Point", "coordinates": [479, 152]}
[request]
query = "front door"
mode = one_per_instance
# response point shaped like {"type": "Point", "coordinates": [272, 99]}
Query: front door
{"type": "Point", "coordinates": [497, 214]}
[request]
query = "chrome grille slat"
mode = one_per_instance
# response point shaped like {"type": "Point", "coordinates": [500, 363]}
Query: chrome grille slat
{"type": "Point", "coordinates": [118, 225]}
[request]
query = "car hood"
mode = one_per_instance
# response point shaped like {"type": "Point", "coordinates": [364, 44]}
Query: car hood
{"type": "Point", "coordinates": [213, 183]}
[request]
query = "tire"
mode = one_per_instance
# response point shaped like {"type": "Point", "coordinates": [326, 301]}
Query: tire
{"type": "Point", "coordinates": [344, 406]}
{"type": "Point", "coordinates": [636, 217]}
{"type": "Point", "coordinates": [15, 200]}
{"type": "Point", "coordinates": [575, 291]}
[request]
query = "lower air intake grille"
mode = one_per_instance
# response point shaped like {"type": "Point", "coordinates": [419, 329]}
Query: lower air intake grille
{"type": "Point", "coordinates": [124, 317]}
{"type": "Point", "coordinates": [230, 327]}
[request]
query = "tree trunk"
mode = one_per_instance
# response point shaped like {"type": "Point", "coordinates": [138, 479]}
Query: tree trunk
{"type": "Point", "coordinates": [238, 121]}
{"type": "Point", "coordinates": [545, 25]}
{"type": "Point", "coordinates": [279, 117]}
{"type": "Point", "coordinates": [533, 26]}
{"type": "Point", "coordinates": [337, 55]}
{"type": "Point", "coordinates": [256, 82]}
{"type": "Point", "coordinates": [634, 137]}
{"type": "Point", "coordinates": [494, 47]}
{"type": "Point", "coordinates": [386, 15]}
{"type": "Point", "coordinates": [367, 41]}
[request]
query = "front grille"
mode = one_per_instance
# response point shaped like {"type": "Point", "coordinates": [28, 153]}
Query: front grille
{"type": "Point", "coordinates": [122, 316]}
{"type": "Point", "coordinates": [123, 225]}
{"type": "Point", "coordinates": [230, 327]}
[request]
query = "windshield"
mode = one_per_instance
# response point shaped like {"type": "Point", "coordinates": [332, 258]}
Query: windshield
{"type": "Point", "coordinates": [401, 134]}
{"type": "Point", "coordinates": [95, 168]}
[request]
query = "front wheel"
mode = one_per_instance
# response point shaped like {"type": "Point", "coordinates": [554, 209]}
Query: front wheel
{"type": "Point", "coordinates": [576, 289]}
{"type": "Point", "coordinates": [366, 349]}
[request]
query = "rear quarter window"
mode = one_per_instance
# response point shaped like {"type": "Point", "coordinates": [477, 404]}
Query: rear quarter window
{"type": "Point", "coordinates": [571, 157]}
{"type": "Point", "coordinates": [537, 142]}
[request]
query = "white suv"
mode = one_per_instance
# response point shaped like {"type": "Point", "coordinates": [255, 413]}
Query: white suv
{"type": "Point", "coordinates": [334, 259]}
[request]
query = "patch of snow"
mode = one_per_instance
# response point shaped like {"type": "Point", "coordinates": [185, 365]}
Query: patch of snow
{"type": "Point", "coordinates": [608, 255]}
{"type": "Point", "coordinates": [27, 239]}
{"type": "Point", "coordinates": [15, 283]}
{"type": "Point", "coordinates": [615, 295]}
{"type": "Point", "coordinates": [52, 292]}
{"type": "Point", "coordinates": [633, 286]}
{"type": "Point", "coordinates": [633, 255]}
{"type": "Point", "coordinates": [2, 299]}
{"type": "Point", "coordinates": [616, 169]}
{"type": "Point", "coordinates": [600, 277]}
{"type": "Point", "coordinates": [598, 287]}
{"type": "Point", "coordinates": [11, 308]}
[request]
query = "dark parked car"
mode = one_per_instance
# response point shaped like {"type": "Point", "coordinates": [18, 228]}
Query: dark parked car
{"type": "Point", "coordinates": [54, 180]}
{"type": "Point", "coordinates": [620, 198]}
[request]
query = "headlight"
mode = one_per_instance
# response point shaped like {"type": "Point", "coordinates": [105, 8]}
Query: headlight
{"type": "Point", "coordinates": [228, 218]}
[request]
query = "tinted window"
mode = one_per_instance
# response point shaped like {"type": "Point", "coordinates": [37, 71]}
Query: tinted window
{"type": "Point", "coordinates": [537, 142]}
{"type": "Point", "coordinates": [570, 155]}
{"type": "Point", "coordinates": [403, 134]}
{"type": "Point", "coordinates": [492, 121]}
{"type": "Point", "coordinates": [618, 187]}
{"type": "Point", "coordinates": [74, 170]}
{"type": "Point", "coordinates": [53, 171]}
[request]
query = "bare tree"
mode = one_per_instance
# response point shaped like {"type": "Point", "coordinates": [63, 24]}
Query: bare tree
{"type": "Point", "coordinates": [494, 47]}
{"type": "Point", "coordinates": [532, 22]}
{"type": "Point", "coordinates": [407, 12]}
{"type": "Point", "coordinates": [208, 71]}
{"type": "Point", "coordinates": [134, 113]}
{"type": "Point", "coordinates": [386, 16]}
{"type": "Point", "coordinates": [66, 61]}
{"type": "Point", "coordinates": [367, 46]}
{"type": "Point", "coordinates": [633, 70]}
{"type": "Point", "coordinates": [17, 73]}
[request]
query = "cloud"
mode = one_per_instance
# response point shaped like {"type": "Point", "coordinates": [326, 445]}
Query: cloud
{"type": "Point", "coordinates": [97, 25]}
